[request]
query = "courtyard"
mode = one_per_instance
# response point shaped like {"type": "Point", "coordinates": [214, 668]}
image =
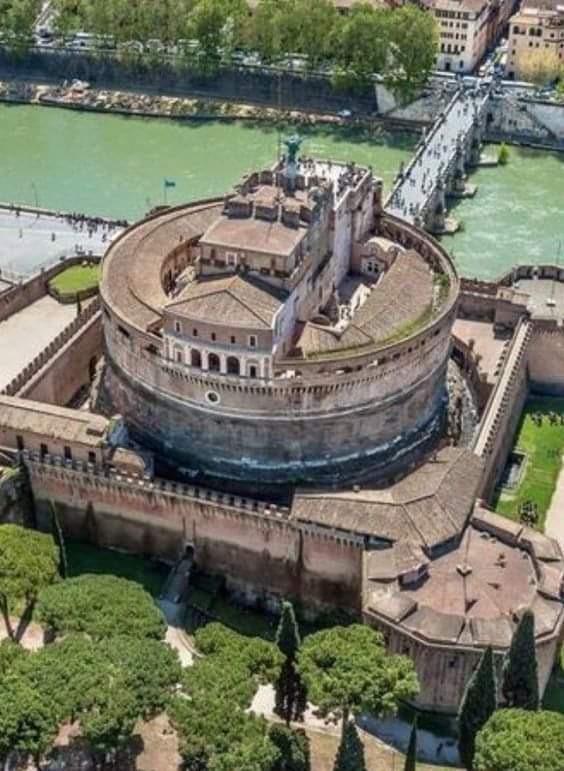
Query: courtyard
{"type": "Point", "coordinates": [540, 440]}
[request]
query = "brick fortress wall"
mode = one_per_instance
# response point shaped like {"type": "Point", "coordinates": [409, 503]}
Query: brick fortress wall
{"type": "Point", "coordinates": [252, 544]}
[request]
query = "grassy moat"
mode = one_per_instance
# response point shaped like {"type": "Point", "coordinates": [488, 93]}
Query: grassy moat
{"type": "Point", "coordinates": [76, 278]}
{"type": "Point", "coordinates": [540, 438]}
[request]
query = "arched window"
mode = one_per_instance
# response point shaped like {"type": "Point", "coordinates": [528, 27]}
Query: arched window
{"type": "Point", "coordinates": [195, 358]}
{"type": "Point", "coordinates": [213, 362]}
{"type": "Point", "coordinates": [233, 366]}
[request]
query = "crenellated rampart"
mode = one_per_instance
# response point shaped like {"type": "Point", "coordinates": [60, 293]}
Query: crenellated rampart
{"type": "Point", "coordinates": [252, 543]}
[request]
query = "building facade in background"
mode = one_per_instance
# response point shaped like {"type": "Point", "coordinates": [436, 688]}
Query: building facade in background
{"type": "Point", "coordinates": [533, 31]}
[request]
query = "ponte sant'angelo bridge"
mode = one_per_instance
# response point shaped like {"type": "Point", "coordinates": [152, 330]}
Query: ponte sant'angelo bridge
{"type": "Point", "coordinates": [438, 168]}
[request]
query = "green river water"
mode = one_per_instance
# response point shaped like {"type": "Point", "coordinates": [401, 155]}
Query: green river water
{"type": "Point", "coordinates": [115, 166]}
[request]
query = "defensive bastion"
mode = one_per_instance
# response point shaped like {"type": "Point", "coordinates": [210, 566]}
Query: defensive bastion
{"type": "Point", "coordinates": [343, 385]}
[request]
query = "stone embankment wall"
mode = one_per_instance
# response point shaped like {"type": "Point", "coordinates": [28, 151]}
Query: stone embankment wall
{"type": "Point", "coordinates": [503, 410]}
{"type": "Point", "coordinates": [251, 543]}
{"type": "Point", "coordinates": [29, 383]}
{"type": "Point", "coordinates": [526, 120]}
{"type": "Point", "coordinates": [72, 365]}
{"type": "Point", "coordinates": [260, 85]}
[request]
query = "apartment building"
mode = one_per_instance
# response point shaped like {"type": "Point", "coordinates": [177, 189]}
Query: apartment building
{"type": "Point", "coordinates": [534, 29]}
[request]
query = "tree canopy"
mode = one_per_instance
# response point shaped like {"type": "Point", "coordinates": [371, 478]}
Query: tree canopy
{"type": "Point", "coordinates": [348, 670]}
{"type": "Point", "coordinates": [399, 44]}
{"type": "Point", "coordinates": [521, 740]}
{"type": "Point", "coordinates": [215, 729]}
{"type": "Point", "coordinates": [106, 685]}
{"type": "Point", "coordinates": [478, 704]}
{"type": "Point", "coordinates": [100, 606]}
{"type": "Point", "coordinates": [29, 561]}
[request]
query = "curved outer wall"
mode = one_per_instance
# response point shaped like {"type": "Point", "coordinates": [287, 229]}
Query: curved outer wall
{"type": "Point", "coordinates": [324, 426]}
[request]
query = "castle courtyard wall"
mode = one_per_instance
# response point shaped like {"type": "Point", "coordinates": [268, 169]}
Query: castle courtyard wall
{"type": "Point", "coordinates": [259, 552]}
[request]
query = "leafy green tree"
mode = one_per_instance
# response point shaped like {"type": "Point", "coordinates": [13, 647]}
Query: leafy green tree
{"type": "Point", "coordinates": [29, 561]}
{"type": "Point", "coordinates": [350, 755]}
{"type": "Point", "coordinates": [316, 21]}
{"type": "Point", "coordinates": [100, 606]}
{"type": "Point", "coordinates": [17, 19]}
{"type": "Point", "coordinates": [414, 41]}
{"type": "Point", "coordinates": [347, 670]}
{"type": "Point", "coordinates": [521, 740]}
{"type": "Point", "coordinates": [411, 754]}
{"type": "Point", "coordinates": [293, 748]}
{"type": "Point", "coordinates": [10, 652]}
{"type": "Point", "coordinates": [291, 694]}
{"type": "Point", "coordinates": [106, 685]}
{"type": "Point", "coordinates": [28, 722]}
{"type": "Point", "coordinates": [362, 42]}
{"type": "Point", "coordinates": [520, 684]}
{"type": "Point", "coordinates": [107, 725]}
{"type": "Point", "coordinates": [478, 705]}
{"type": "Point", "coordinates": [214, 727]}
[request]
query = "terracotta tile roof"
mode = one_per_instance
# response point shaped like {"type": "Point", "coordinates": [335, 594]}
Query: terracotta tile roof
{"type": "Point", "coordinates": [428, 506]}
{"type": "Point", "coordinates": [59, 423]}
{"type": "Point", "coordinates": [238, 300]}
{"type": "Point", "coordinates": [255, 235]}
{"type": "Point", "coordinates": [131, 277]}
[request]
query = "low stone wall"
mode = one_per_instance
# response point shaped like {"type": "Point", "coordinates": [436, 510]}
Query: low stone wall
{"type": "Point", "coordinates": [16, 386]}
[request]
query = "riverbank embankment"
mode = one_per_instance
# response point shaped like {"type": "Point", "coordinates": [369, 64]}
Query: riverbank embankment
{"type": "Point", "coordinates": [79, 95]}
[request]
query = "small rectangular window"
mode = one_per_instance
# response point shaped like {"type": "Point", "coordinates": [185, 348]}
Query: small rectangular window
{"type": "Point", "coordinates": [194, 333]}
{"type": "Point", "coordinates": [91, 457]}
{"type": "Point", "coordinates": [44, 449]}
{"type": "Point", "coordinates": [213, 337]}
{"type": "Point", "coordinates": [253, 341]}
{"type": "Point", "coordinates": [20, 443]}
{"type": "Point", "coordinates": [68, 452]}
{"type": "Point", "coordinates": [232, 340]}
{"type": "Point", "coordinates": [177, 327]}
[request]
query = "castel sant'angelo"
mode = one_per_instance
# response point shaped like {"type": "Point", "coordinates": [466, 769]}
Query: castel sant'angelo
{"type": "Point", "coordinates": [295, 410]}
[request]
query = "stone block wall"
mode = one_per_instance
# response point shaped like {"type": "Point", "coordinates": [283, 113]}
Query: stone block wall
{"type": "Point", "coordinates": [261, 553]}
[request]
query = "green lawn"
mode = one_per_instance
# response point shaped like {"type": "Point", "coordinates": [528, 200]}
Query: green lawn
{"type": "Point", "coordinates": [543, 445]}
{"type": "Point", "coordinates": [85, 558]}
{"type": "Point", "coordinates": [76, 278]}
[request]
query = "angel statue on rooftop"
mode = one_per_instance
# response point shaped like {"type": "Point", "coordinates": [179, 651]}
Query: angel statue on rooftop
{"type": "Point", "coordinates": [293, 144]}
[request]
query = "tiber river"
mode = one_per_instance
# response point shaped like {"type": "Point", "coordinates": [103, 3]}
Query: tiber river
{"type": "Point", "coordinates": [115, 166]}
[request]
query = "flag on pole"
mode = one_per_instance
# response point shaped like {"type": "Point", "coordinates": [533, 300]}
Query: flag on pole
{"type": "Point", "coordinates": [169, 183]}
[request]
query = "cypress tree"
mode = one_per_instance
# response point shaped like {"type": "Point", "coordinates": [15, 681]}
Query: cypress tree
{"type": "Point", "coordinates": [291, 694]}
{"type": "Point", "coordinates": [520, 686]}
{"type": "Point", "coordinates": [411, 756]}
{"type": "Point", "coordinates": [477, 706]}
{"type": "Point", "coordinates": [287, 634]}
{"type": "Point", "coordinates": [350, 755]}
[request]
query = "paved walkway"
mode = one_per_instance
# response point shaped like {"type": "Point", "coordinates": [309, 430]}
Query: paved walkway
{"type": "Point", "coordinates": [25, 334]}
{"type": "Point", "coordinates": [554, 523]}
{"type": "Point", "coordinates": [412, 193]}
{"type": "Point", "coordinates": [26, 241]}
